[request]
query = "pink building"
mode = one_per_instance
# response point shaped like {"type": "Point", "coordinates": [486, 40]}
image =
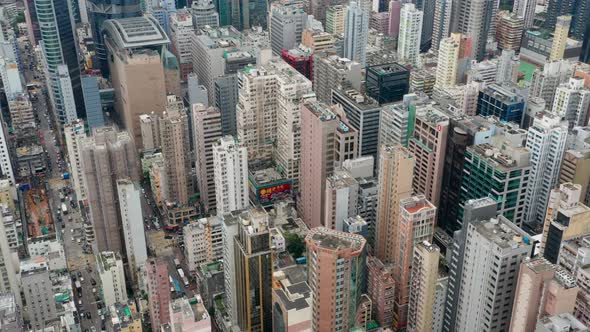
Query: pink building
{"type": "Point", "coordinates": [335, 276]}
{"type": "Point", "coordinates": [380, 288]}
{"type": "Point", "coordinates": [158, 292]}
{"type": "Point", "coordinates": [189, 315]}
{"type": "Point", "coordinates": [395, 8]}
{"type": "Point", "coordinates": [416, 225]}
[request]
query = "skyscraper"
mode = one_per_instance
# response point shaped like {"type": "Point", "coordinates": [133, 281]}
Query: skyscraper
{"type": "Point", "coordinates": [428, 8]}
{"type": "Point", "coordinates": [335, 276]}
{"type": "Point", "coordinates": [335, 19]}
{"type": "Point", "coordinates": [423, 284]}
{"type": "Point", "coordinates": [447, 61]}
{"type": "Point", "coordinates": [509, 30]}
{"type": "Point", "coordinates": [380, 289]}
{"type": "Point", "coordinates": [571, 102]}
{"type": "Point", "coordinates": [286, 26]}
{"type": "Point", "coordinates": [180, 32]}
{"type": "Point", "coordinates": [476, 20]}
{"type": "Point", "coordinates": [387, 83]}
{"type": "Point", "coordinates": [396, 168]}
{"type": "Point", "coordinates": [356, 33]}
{"type": "Point", "coordinates": [395, 8]}
{"type": "Point", "coordinates": [206, 125]}
{"type": "Point", "coordinates": [562, 28]}
{"type": "Point", "coordinates": [74, 135]}
{"type": "Point", "coordinates": [410, 32]}
{"type": "Point", "coordinates": [442, 22]}
{"type": "Point", "coordinates": [230, 162]}
{"type": "Point", "coordinates": [546, 140]}
{"type": "Point", "coordinates": [158, 292]}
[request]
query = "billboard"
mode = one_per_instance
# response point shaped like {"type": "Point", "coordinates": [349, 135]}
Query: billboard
{"type": "Point", "coordinates": [274, 192]}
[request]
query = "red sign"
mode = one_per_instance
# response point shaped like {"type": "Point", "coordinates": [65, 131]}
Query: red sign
{"type": "Point", "coordinates": [273, 193]}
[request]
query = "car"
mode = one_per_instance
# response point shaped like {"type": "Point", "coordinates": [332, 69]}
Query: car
{"type": "Point", "coordinates": [81, 279]}
{"type": "Point", "coordinates": [88, 315]}
{"type": "Point", "coordinates": [99, 306]}
{"type": "Point", "coordinates": [94, 290]}
{"type": "Point", "coordinates": [80, 302]}
{"type": "Point", "coordinates": [93, 282]}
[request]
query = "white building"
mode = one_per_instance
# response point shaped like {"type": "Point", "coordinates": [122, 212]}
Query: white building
{"type": "Point", "coordinates": [10, 78]}
{"type": "Point", "coordinates": [196, 243]}
{"type": "Point", "coordinates": [526, 10]}
{"type": "Point", "coordinates": [546, 140]}
{"type": "Point", "coordinates": [112, 277]}
{"type": "Point", "coordinates": [508, 64]}
{"type": "Point", "coordinates": [67, 93]}
{"type": "Point", "coordinates": [206, 126]}
{"type": "Point", "coordinates": [356, 33]}
{"type": "Point", "coordinates": [74, 133]}
{"type": "Point", "coordinates": [133, 232]}
{"type": "Point", "coordinates": [571, 102]}
{"type": "Point", "coordinates": [546, 81]}
{"type": "Point", "coordinates": [181, 31]}
{"type": "Point", "coordinates": [51, 250]}
{"type": "Point", "coordinates": [5, 162]}
{"type": "Point", "coordinates": [37, 288]}
{"type": "Point", "coordinates": [410, 31]}
{"type": "Point", "coordinates": [341, 197]}
{"type": "Point", "coordinates": [231, 175]}
{"type": "Point", "coordinates": [447, 61]}
{"type": "Point", "coordinates": [286, 26]}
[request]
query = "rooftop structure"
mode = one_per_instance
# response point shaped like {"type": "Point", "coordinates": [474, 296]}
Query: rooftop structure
{"type": "Point", "coordinates": [135, 32]}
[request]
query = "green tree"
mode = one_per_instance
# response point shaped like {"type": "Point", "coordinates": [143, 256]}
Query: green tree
{"type": "Point", "coordinates": [295, 244]}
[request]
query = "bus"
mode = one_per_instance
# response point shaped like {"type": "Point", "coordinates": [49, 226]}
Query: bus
{"type": "Point", "coordinates": [64, 208]}
{"type": "Point", "coordinates": [177, 263]}
{"type": "Point", "coordinates": [180, 273]}
{"type": "Point", "coordinates": [185, 281]}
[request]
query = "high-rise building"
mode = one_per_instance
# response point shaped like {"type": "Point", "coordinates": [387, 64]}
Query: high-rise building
{"type": "Point", "coordinates": [423, 284]}
{"type": "Point", "coordinates": [585, 53]}
{"type": "Point", "coordinates": [503, 101]}
{"type": "Point", "coordinates": [109, 266]}
{"type": "Point", "coordinates": [133, 227]}
{"type": "Point", "coordinates": [318, 40]}
{"type": "Point", "coordinates": [34, 32]}
{"type": "Point", "coordinates": [387, 83]}
{"type": "Point", "coordinates": [546, 81]}
{"type": "Point", "coordinates": [396, 168]}
{"type": "Point", "coordinates": [336, 269]}
{"type": "Point", "coordinates": [92, 102]}
{"type": "Point", "coordinates": [330, 71]}
{"type": "Point", "coordinates": [571, 102]}
{"type": "Point", "coordinates": [509, 30]}
{"type": "Point", "coordinates": [508, 64]}
{"type": "Point", "coordinates": [341, 200]}
{"type": "Point", "coordinates": [158, 291]}
{"type": "Point", "coordinates": [410, 31]}
{"type": "Point", "coordinates": [136, 69]}
{"type": "Point", "coordinates": [447, 61]}
{"type": "Point", "coordinates": [8, 270]}
{"type": "Point", "coordinates": [428, 145]}
{"type": "Point", "coordinates": [253, 272]}
{"type": "Point", "coordinates": [442, 22]}
{"type": "Point", "coordinates": [59, 48]}
{"type": "Point", "coordinates": [428, 8]}
{"type": "Point", "coordinates": [74, 135]}
{"type": "Point", "coordinates": [10, 75]}
{"type": "Point", "coordinates": [206, 126]}
{"type": "Point", "coordinates": [37, 288]}
{"type": "Point", "coordinates": [394, 124]}
{"type": "Point", "coordinates": [562, 28]}
{"type": "Point", "coordinates": [174, 140]}
{"type": "Point", "coordinates": [546, 140]}
{"type": "Point", "coordinates": [102, 10]}
{"type": "Point", "coordinates": [415, 225]}
{"type": "Point", "coordinates": [395, 7]}
{"type": "Point", "coordinates": [107, 156]}
{"type": "Point", "coordinates": [325, 142]}
{"type": "Point", "coordinates": [356, 33]}
{"type": "Point", "coordinates": [68, 103]}
{"type": "Point", "coordinates": [335, 19]}
{"type": "Point", "coordinates": [575, 168]}
{"type": "Point", "coordinates": [477, 20]}
{"type": "Point", "coordinates": [319, 8]}
{"type": "Point", "coordinates": [301, 59]}
{"type": "Point", "coordinates": [492, 250]}
{"type": "Point", "coordinates": [286, 26]}
{"type": "Point", "coordinates": [525, 9]}
{"type": "Point", "coordinates": [380, 289]}
{"type": "Point", "coordinates": [543, 289]}
{"type": "Point", "coordinates": [230, 162]}
{"type": "Point", "coordinates": [180, 32]}
{"type": "Point", "coordinates": [204, 14]}
{"type": "Point", "coordinates": [566, 219]}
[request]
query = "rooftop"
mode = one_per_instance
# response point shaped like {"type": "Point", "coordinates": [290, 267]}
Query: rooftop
{"type": "Point", "coordinates": [334, 240]}
{"type": "Point", "coordinates": [135, 32]}
{"type": "Point", "coordinates": [416, 204]}
{"type": "Point", "coordinates": [503, 233]}
{"type": "Point", "coordinates": [388, 68]}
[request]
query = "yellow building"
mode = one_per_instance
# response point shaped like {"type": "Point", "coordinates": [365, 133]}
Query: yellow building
{"type": "Point", "coordinates": [562, 28]}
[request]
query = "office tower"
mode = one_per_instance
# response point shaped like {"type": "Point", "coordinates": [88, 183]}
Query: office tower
{"type": "Point", "coordinates": [508, 64]}
{"type": "Point", "coordinates": [525, 9]}
{"type": "Point", "coordinates": [37, 287]}
{"type": "Point", "coordinates": [387, 83]}
{"type": "Point", "coordinates": [325, 142]}
{"type": "Point", "coordinates": [330, 71]}
{"type": "Point", "coordinates": [206, 125]}
{"type": "Point", "coordinates": [74, 134]}
{"type": "Point", "coordinates": [363, 113]}
{"type": "Point", "coordinates": [330, 252]}
{"type": "Point", "coordinates": [180, 32]}
{"type": "Point", "coordinates": [575, 169]}
{"type": "Point", "coordinates": [396, 168]}
{"type": "Point", "coordinates": [543, 289]}
{"type": "Point", "coordinates": [417, 218]}
{"type": "Point", "coordinates": [293, 89]}
{"type": "Point", "coordinates": [442, 22]}
{"type": "Point", "coordinates": [546, 81]}
{"type": "Point", "coordinates": [447, 62]}
{"type": "Point", "coordinates": [286, 25]}
{"type": "Point", "coordinates": [546, 140]}
{"type": "Point", "coordinates": [92, 102]}
{"type": "Point", "coordinates": [174, 140]}
{"type": "Point", "coordinates": [335, 19]}
{"type": "Point", "coordinates": [34, 32]}
{"type": "Point", "coordinates": [571, 102]}
{"type": "Point", "coordinates": [109, 266]}
{"type": "Point", "coordinates": [254, 268]}
{"type": "Point", "coordinates": [423, 284]}
{"type": "Point", "coordinates": [230, 162]}
{"type": "Point", "coordinates": [107, 156]}
{"type": "Point", "coordinates": [562, 28]}
{"type": "Point", "coordinates": [475, 210]}
{"type": "Point", "coordinates": [136, 69]}
{"type": "Point", "coordinates": [503, 101]}
{"type": "Point", "coordinates": [499, 170]}
{"type": "Point", "coordinates": [133, 232]}
{"type": "Point", "coordinates": [394, 125]}
{"type": "Point", "coordinates": [204, 14]}
{"type": "Point", "coordinates": [428, 8]}
{"type": "Point", "coordinates": [102, 10]}
{"type": "Point", "coordinates": [509, 30]}
{"type": "Point", "coordinates": [59, 48]}
{"type": "Point", "coordinates": [356, 32]}
{"type": "Point", "coordinates": [158, 289]}
{"type": "Point", "coordinates": [341, 198]}
{"type": "Point", "coordinates": [410, 31]}
{"type": "Point", "coordinates": [585, 53]}
{"type": "Point", "coordinates": [380, 289]}
{"type": "Point", "coordinates": [428, 144]}
{"type": "Point", "coordinates": [493, 249]}
{"type": "Point", "coordinates": [566, 219]}
{"type": "Point", "coordinates": [477, 20]}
